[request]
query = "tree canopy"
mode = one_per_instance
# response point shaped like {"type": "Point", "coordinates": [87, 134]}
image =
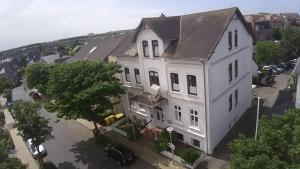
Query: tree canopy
{"type": "Point", "coordinates": [37, 76]}
{"type": "Point", "coordinates": [267, 52]}
{"type": "Point", "coordinates": [30, 124]}
{"type": "Point", "coordinates": [277, 147]}
{"type": "Point", "coordinates": [5, 83]}
{"type": "Point", "coordinates": [291, 42]}
{"type": "Point", "coordinates": [84, 89]}
{"type": "Point", "coordinates": [6, 145]}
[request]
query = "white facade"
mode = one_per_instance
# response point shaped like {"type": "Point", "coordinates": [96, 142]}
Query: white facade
{"type": "Point", "coordinates": [210, 103]}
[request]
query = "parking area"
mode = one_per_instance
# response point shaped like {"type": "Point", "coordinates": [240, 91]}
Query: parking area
{"type": "Point", "coordinates": [274, 100]}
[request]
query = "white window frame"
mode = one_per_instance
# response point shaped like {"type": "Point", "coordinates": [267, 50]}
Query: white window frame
{"type": "Point", "coordinates": [194, 119]}
{"type": "Point", "coordinates": [236, 97]}
{"type": "Point", "coordinates": [127, 74]}
{"type": "Point", "coordinates": [194, 144]}
{"type": "Point", "coordinates": [178, 115]}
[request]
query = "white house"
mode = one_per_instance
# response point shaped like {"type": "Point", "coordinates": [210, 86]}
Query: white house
{"type": "Point", "coordinates": [191, 72]}
{"type": "Point", "coordinates": [296, 72]}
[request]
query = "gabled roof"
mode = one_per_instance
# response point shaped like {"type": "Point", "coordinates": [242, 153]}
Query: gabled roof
{"type": "Point", "coordinates": [126, 48]}
{"type": "Point", "coordinates": [55, 58]}
{"type": "Point", "coordinates": [194, 35]}
{"type": "Point", "coordinates": [99, 49]}
{"type": "Point", "coordinates": [167, 28]}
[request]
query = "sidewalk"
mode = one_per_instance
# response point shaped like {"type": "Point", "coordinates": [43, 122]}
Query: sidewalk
{"type": "Point", "coordinates": [21, 150]}
{"type": "Point", "coordinates": [144, 153]}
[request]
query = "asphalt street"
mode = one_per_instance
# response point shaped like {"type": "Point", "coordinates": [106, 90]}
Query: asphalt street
{"type": "Point", "coordinates": [70, 148]}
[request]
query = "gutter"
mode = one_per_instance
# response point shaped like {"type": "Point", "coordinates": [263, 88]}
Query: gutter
{"type": "Point", "coordinates": [206, 133]}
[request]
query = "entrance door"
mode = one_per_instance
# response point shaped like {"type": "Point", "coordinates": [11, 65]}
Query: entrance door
{"type": "Point", "coordinates": [159, 117]}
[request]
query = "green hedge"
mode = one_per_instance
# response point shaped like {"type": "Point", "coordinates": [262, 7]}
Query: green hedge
{"type": "Point", "coordinates": [163, 140]}
{"type": "Point", "coordinates": [189, 155]}
{"type": "Point", "coordinates": [128, 128]}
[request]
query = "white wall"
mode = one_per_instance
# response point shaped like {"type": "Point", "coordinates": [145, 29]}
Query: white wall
{"type": "Point", "coordinates": [297, 104]}
{"type": "Point", "coordinates": [220, 119]}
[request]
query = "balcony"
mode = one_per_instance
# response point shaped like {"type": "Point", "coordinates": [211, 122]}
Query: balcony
{"type": "Point", "coordinates": [144, 99]}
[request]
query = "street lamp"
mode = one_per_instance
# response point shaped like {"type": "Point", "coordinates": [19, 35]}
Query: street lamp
{"type": "Point", "coordinates": [171, 145]}
{"type": "Point", "coordinates": [130, 113]}
{"type": "Point", "coordinates": [257, 117]}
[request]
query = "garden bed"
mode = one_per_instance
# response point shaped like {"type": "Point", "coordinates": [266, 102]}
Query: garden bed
{"type": "Point", "coordinates": [125, 128]}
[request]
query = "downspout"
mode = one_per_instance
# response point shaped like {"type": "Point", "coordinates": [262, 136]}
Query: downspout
{"type": "Point", "coordinates": [206, 133]}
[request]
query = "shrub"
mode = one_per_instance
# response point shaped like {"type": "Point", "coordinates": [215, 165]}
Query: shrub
{"type": "Point", "coordinates": [189, 155]}
{"type": "Point", "coordinates": [128, 128]}
{"type": "Point", "coordinates": [163, 140]}
{"type": "Point", "coordinates": [49, 165]}
{"type": "Point", "coordinates": [161, 144]}
{"type": "Point", "coordinates": [50, 107]}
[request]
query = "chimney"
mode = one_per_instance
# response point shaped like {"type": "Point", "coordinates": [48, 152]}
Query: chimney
{"type": "Point", "coordinates": [162, 15]}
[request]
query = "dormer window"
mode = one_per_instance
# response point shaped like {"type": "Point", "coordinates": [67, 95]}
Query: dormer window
{"type": "Point", "coordinates": [145, 48]}
{"type": "Point", "coordinates": [229, 40]}
{"type": "Point", "coordinates": [155, 49]}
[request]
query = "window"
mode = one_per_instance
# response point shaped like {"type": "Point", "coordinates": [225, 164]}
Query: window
{"type": "Point", "coordinates": [196, 142]}
{"type": "Point", "coordinates": [230, 72]}
{"type": "Point", "coordinates": [175, 82]}
{"type": "Point", "coordinates": [257, 27]}
{"type": "Point", "coordinates": [236, 97]}
{"type": "Point", "coordinates": [145, 48]}
{"type": "Point", "coordinates": [230, 102]}
{"type": "Point", "coordinates": [192, 84]}
{"type": "Point", "coordinates": [155, 49]}
{"type": "Point", "coordinates": [235, 38]}
{"type": "Point", "coordinates": [177, 113]}
{"type": "Point", "coordinates": [154, 79]}
{"type": "Point", "coordinates": [137, 76]}
{"type": "Point", "coordinates": [158, 115]}
{"type": "Point", "coordinates": [127, 74]}
{"type": "Point", "coordinates": [236, 68]}
{"type": "Point", "coordinates": [180, 136]}
{"type": "Point", "coordinates": [229, 40]}
{"type": "Point", "coordinates": [194, 118]}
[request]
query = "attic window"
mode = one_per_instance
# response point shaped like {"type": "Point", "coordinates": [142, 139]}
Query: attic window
{"type": "Point", "coordinates": [93, 49]}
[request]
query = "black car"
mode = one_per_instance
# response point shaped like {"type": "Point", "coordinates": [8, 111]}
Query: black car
{"type": "Point", "coordinates": [120, 153]}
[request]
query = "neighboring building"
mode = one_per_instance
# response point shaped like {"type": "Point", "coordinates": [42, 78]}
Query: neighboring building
{"type": "Point", "coordinates": [296, 72]}
{"type": "Point", "coordinates": [191, 72]}
{"type": "Point", "coordinates": [53, 59]}
{"type": "Point", "coordinates": [263, 25]}
{"type": "Point", "coordinates": [11, 72]}
{"type": "Point", "coordinates": [99, 49]}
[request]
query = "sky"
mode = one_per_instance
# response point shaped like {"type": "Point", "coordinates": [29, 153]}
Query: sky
{"type": "Point", "coordinates": [24, 22]}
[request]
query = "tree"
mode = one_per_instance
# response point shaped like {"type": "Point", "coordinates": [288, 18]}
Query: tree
{"type": "Point", "coordinates": [84, 89]}
{"type": "Point", "coordinates": [277, 147]}
{"type": "Point", "coordinates": [267, 52]}
{"type": "Point", "coordinates": [5, 83]}
{"type": "Point", "coordinates": [291, 43]}
{"type": "Point", "coordinates": [277, 33]}
{"type": "Point", "coordinates": [37, 76]}
{"type": "Point", "coordinates": [31, 125]}
{"type": "Point", "coordinates": [7, 93]}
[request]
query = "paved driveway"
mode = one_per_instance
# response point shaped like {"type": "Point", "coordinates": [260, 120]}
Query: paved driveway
{"type": "Point", "coordinates": [70, 148]}
{"type": "Point", "coordinates": [272, 102]}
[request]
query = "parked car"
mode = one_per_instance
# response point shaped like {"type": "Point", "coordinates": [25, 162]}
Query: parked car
{"type": "Point", "coordinates": [284, 65]}
{"type": "Point", "coordinates": [265, 79]}
{"type": "Point", "coordinates": [270, 69]}
{"type": "Point", "coordinates": [35, 95]}
{"type": "Point", "coordinates": [8, 104]}
{"type": "Point", "coordinates": [277, 68]}
{"type": "Point", "coordinates": [33, 149]}
{"type": "Point", "coordinates": [120, 153]}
